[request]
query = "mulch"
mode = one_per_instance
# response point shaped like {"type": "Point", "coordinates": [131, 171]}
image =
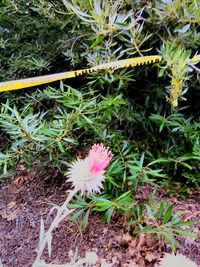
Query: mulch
{"type": "Point", "coordinates": [29, 196]}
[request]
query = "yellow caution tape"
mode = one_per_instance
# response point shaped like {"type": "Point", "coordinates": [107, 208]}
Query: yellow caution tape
{"type": "Point", "coordinates": [124, 63]}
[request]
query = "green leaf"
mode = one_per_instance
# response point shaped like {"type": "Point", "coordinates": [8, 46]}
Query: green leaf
{"type": "Point", "coordinates": [177, 217]}
{"type": "Point", "coordinates": [108, 214]}
{"type": "Point", "coordinates": [148, 229]}
{"type": "Point", "coordinates": [171, 239]}
{"type": "Point", "coordinates": [141, 160]}
{"type": "Point", "coordinates": [186, 233]}
{"type": "Point", "coordinates": [61, 147]}
{"type": "Point", "coordinates": [168, 214]}
{"type": "Point", "coordinates": [98, 41]}
{"type": "Point", "coordinates": [85, 219]}
{"type": "Point", "coordinates": [103, 204]}
{"type": "Point", "coordinates": [186, 223]}
{"type": "Point", "coordinates": [124, 195]}
{"type": "Point", "coordinates": [184, 29]}
{"type": "Point", "coordinates": [77, 214]}
{"type": "Point", "coordinates": [160, 211]}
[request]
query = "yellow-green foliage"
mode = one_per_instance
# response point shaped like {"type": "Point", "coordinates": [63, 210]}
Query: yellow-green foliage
{"type": "Point", "coordinates": [133, 55]}
{"type": "Point", "coordinates": [177, 62]}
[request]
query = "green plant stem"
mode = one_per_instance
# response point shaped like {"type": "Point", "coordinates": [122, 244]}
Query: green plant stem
{"type": "Point", "coordinates": [59, 217]}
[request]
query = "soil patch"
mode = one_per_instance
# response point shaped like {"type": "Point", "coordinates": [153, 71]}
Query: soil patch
{"type": "Point", "coordinates": [28, 197]}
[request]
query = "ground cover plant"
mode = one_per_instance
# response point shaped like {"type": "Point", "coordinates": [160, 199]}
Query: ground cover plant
{"type": "Point", "coordinates": [148, 116]}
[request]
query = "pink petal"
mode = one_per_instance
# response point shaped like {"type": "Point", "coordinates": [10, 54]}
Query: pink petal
{"type": "Point", "coordinates": [99, 157]}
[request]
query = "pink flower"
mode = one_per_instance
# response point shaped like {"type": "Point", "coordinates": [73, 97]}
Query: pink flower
{"type": "Point", "coordinates": [87, 175]}
{"type": "Point", "coordinates": [99, 158]}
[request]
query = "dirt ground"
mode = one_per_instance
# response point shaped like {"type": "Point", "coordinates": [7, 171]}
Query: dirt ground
{"type": "Point", "coordinates": [28, 197]}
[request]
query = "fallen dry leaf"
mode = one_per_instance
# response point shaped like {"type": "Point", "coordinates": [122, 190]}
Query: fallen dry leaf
{"type": "Point", "coordinates": [9, 215]}
{"type": "Point", "coordinates": [20, 180]}
{"type": "Point", "coordinates": [23, 177]}
{"type": "Point", "coordinates": [10, 212]}
{"type": "Point", "coordinates": [124, 240]}
{"type": "Point", "coordinates": [11, 204]}
{"type": "Point", "coordinates": [151, 256]}
{"type": "Point", "coordinates": [143, 249]}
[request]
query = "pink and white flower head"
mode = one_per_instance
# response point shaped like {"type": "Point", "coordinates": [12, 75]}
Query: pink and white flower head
{"type": "Point", "coordinates": [87, 175]}
{"type": "Point", "coordinates": [178, 260]}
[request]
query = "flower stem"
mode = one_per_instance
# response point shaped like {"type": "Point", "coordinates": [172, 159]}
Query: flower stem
{"type": "Point", "coordinates": [54, 224]}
